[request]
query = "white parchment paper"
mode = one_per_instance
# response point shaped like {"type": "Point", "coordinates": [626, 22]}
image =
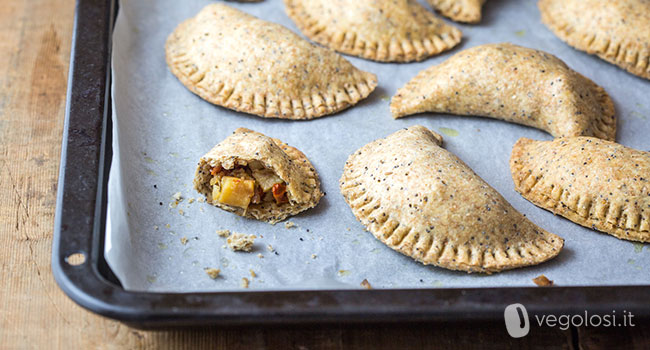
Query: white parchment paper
{"type": "Point", "coordinates": [161, 130]}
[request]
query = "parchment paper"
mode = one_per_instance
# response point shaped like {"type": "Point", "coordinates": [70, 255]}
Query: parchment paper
{"type": "Point", "coordinates": [161, 130]}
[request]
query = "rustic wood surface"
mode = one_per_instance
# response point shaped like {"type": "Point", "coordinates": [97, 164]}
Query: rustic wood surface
{"type": "Point", "coordinates": [34, 53]}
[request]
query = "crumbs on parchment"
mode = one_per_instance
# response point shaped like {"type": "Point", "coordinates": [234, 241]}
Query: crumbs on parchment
{"type": "Point", "coordinates": [365, 284]}
{"type": "Point", "coordinates": [177, 198]}
{"type": "Point", "coordinates": [184, 240]}
{"type": "Point", "coordinates": [223, 233]}
{"type": "Point", "coordinates": [542, 281]}
{"type": "Point", "coordinates": [241, 242]}
{"type": "Point", "coordinates": [244, 282]}
{"type": "Point", "coordinates": [212, 272]}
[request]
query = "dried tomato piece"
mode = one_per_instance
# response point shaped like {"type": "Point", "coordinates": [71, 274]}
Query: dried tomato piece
{"type": "Point", "coordinates": [215, 170]}
{"type": "Point", "coordinates": [280, 193]}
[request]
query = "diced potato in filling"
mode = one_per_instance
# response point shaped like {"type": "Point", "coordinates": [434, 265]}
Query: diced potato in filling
{"type": "Point", "coordinates": [235, 192]}
{"type": "Point", "coordinates": [243, 186]}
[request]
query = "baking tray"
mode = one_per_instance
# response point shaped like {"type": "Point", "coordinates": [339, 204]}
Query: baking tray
{"type": "Point", "coordinates": [81, 218]}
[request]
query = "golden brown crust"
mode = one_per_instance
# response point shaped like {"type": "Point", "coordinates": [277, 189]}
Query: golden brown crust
{"type": "Point", "coordinates": [512, 83]}
{"type": "Point", "coordinates": [466, 11]}
{"type": "Point", "coordinates": [288, 163]}
{"type": "Point", "coordinates": [421, 200]}
{"type": "Point", "coordinates": [235, 60]}
{"type": "Point", "coordinates": [387, 31]}
{"type": "Point", "coordinates": [618, 31]}
{"type": "Point", "coordinates": [595, 183]}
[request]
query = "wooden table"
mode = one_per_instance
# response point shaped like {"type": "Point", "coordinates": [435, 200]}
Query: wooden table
{"type": "Point", "coordinates": [34, 313]}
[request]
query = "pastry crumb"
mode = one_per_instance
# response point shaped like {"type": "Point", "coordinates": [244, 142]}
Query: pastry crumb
{"type": "Point", "coordinates": [253, 274]}
{"type": "Point", "coordinates": [289, 225]}
{"type": "Point", "coordinates": [167, 226]}
{"type": "Point", "coordinates": [542, 281]}
{"type": "Point", "coordinates": [155, 227]}
{"type": "Point", "coordinates": [314, 256]}
{"type": "Point", "coordinates": [259, 255]}
{"type": "Point", "coordinates": [212, 272]}
{"type": "Point", "coordinates": [244, 282]}
{"type": "Point", "coordinates": [365, 284]}
{"type": "Point", "coordinates": [177, 198]}
{"type": "Point", "coordinates": [200, 200]}
{"type": "Point", "coordinates": [241, 242]}
{"type": "Point", "coordinates": [223, 233]}
{"type": "Point", "coordinates": [184, 240]}
{"type": "Point", "coordinates": [190, 201]}
{"type": "Point", "coordinates": [270, 248]}
{"type": "Point", "coordinates": [181, 211]}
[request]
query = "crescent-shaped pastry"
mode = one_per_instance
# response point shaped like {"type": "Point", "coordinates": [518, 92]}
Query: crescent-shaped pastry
{"type": "Point", "coordinates": [421, 200]}
{"type": "Point", "coordinates": [389, 31]}
{"type": "Point", "coordinates": [512, 83]}
{"type": "Point", "coordinates": [235, 60]}
{"type": "Point", "coordinates": [618, 31]}
{"type": "Point", "coordinates": [595, 183]}
{"type": "Point", "coordinates": [258, 177]}
{"type": "Point", "coordinates": [467, 11]}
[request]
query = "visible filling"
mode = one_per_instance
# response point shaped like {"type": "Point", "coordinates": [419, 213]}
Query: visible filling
{"type": "Point", "coordinates": [246, 185]}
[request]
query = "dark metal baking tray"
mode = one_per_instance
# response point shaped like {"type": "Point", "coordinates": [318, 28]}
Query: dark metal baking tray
{"type": "Point", "coordinates": [81, 218]}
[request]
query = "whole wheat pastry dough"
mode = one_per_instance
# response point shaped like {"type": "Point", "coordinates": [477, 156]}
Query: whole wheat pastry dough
{"type": "Point", "coordinates": [235, 60]}
{"type": "Point", "coordinates": [468, 11]}
{"type": "Point", "coordinates": [595, 183]}
{"type": "Point", "coordinates": [258, 177]}
{"type": "Point", "coordinates": [512, 83]}
{"type": "Point", "coordinates": [618, 31]}
{"type": "Point", "coordinates": [421, 200]}
{"type": "Point", "coordinates": [392, 31]}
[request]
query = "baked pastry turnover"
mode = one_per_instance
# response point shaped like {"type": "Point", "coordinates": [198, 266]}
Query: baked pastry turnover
{"type": "Point", "coordinates": [258, 177]}
{"type": "Point", "coordinates": [618, 31]}
{"type": "Point", "coordinates": [513, 83]}
{"type": "Point", "coordinates": [468, 11]}
{"type": "Point", "coordinates": [235, 60]}
{"type": "Point", "coordinates": [421, 200]}
{"type": "Point", "coordinates": [595, 183]}
{"type": "Point", "coordinates": [389, 31]}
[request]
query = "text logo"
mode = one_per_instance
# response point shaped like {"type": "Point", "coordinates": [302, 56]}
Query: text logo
{"type": "Point", "coordinates": [516, 318]}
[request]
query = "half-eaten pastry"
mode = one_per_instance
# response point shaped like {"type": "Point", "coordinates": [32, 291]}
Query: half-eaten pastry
{"type": "Point", "coordinates": [389, 31]}
{"type": "Point", "coordinates": [467, 11]}
{"type": "Point", "coordinates": [618, 31]}
{"type": "Point", "coordinates": [255, 176]}
{"type": "Point", "coordinates": [423, 201]}
{"type": "Point", "coordinates": [515, 84]}
{"type": "Point", "coordinates": [238, 61]}
{"type": "Point", "coordinates": [595, 183]}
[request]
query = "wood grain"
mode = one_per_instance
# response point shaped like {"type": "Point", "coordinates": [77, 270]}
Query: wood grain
{"type": "Point", "coordinates": [34, 313]}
